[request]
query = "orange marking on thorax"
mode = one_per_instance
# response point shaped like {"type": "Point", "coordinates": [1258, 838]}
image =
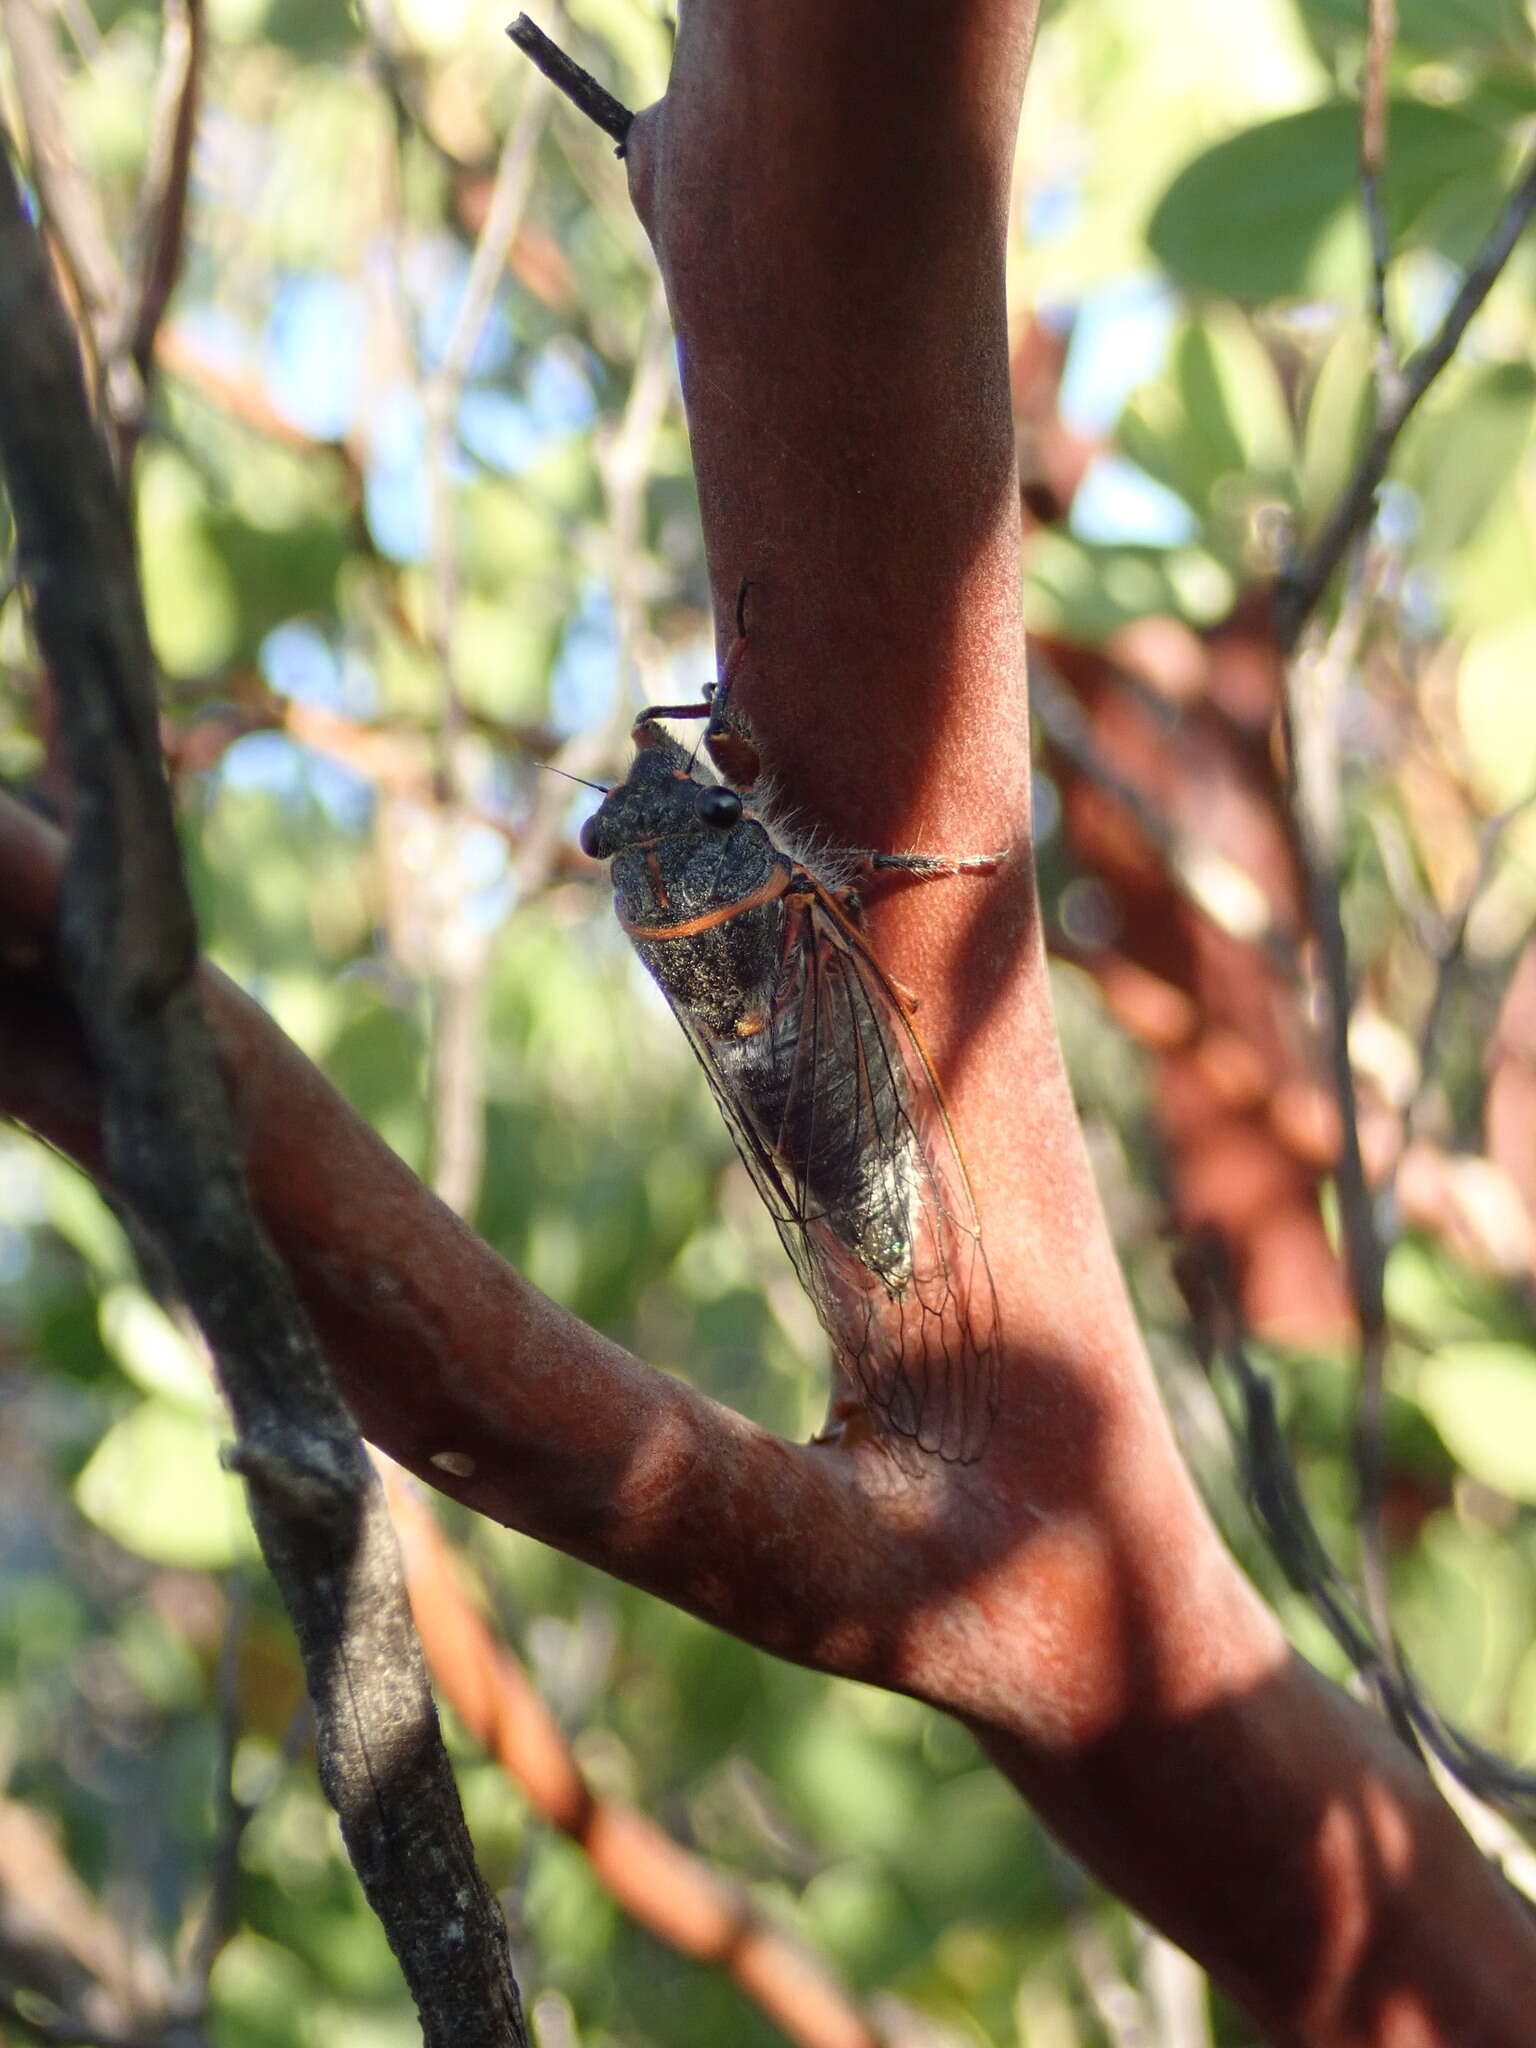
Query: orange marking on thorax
{"type": "Point", "coordinates": [776, 885]}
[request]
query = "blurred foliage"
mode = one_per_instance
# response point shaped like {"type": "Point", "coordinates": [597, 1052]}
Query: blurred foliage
{"type": "Point", "coordinates": [358, 837]}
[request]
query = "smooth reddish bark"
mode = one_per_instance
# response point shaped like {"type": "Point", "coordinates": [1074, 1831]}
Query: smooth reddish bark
{"type": "Point", "coordinates": [1250, 1127]}
{"type": "Point", "coordinates": [826, 188]}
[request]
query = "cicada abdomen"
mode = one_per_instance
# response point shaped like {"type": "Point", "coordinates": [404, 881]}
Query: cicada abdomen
{"type": "Point", "coordinates": [827, 1091]}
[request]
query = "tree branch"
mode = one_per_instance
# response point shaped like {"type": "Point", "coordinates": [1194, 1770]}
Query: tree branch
{"type": "Point", "coordinates": [663, 1886]}
{"type": "Point", "coordinates": [579, 87]}
{"type": "Point", "coordinates": [828, 204]}
{"type": "Point", "coordinates": [448, 1356]}
{"type": "Point", "coordinates": [128, 957]}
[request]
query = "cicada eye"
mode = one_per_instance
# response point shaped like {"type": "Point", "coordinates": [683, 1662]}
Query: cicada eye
{"type": "Point", "coordinates": [719, 806]}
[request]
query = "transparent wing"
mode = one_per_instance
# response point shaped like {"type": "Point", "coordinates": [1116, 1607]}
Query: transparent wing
{"type": "Point", "coordinates": [861, 1174]}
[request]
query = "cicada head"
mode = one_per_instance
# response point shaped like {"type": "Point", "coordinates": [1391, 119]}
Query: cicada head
{"type": "Point", "coordinates": [663, 801]}
{"type": "Point", "coordinates": [697, 882]}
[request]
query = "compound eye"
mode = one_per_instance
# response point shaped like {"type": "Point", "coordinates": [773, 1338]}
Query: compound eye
{"type": "Point", "coordinates": [588, 840]}
{"type": "Point", "coordinates": [719, 806]}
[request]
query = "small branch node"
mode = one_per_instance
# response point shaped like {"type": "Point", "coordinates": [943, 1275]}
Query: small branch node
{"type": "Point", "coordinates": [296, 1474]}
{"type": "Point", "coordinates": [579, 86]}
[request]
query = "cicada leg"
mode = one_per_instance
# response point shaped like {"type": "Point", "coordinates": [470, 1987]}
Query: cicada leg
{"type": "Point", "coordinates": [852, 1426]}
{"type": "Point", "coordinates": [654, 711]}
{"type": "Point", "coordinates": [726, 736]}
{"type": "Point", "coordinates": [923, 867]}
{"type": "Point", "coordinates": [929, 867]}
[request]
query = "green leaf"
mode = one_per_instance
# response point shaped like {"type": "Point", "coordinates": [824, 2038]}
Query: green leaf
{"type": "Point", "coordinates": [1337, 420]}
{"type": "Point", "coordinates": [1439, 27]}
{"type": "Point", "coordinates": [154, 1484]}
{"type": "Point", "coordinates": [189, 596]}
{"type": "Point", "coordinates": [630, 33]}
{"type": "Point", "coordinates": [1215, 430]}
{"type": "Point", "coordinates": [1521, 1717]}
{"type": "Point", "coordinates": [1274, 212]}
{"type": "Point", "coordinates": [78, 1213]}
{"type": "Point", "coordinates": [154, 1353]}
{"type": "Point", "coordinates": [1490, 581]}
{"type": "Point", "coordinates": [1435, 1299]}
{"type": "Point", "coordinates": [1086, 592]}
{"type": "Point", "coordinates": [1482, 1399]}
{"type": "Point", "coordinates": [1463, 1604]}
{"type": "Point", "coordinates": [1496, 707]}
{"type": "Point", "coordinates": [1461, 455]}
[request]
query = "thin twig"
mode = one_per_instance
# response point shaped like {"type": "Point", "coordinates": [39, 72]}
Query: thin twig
{"type": "Point", "coordinates": [162, 209]}
{"type": "Point", "coordinates": [579, 87]}
{"type": "Point", "coordinates": [625, 456]}
{"type": "Point", "coordinates": [1452, 947]}
{"type": "Point", "coordinates": [1117, 2003]}
{"type": "Point", "coordinates": [498, 231]}
{"type": "Point", "coordinates": [1315, 685]}
{"type": "Point", "coordinates": [1276, 1497]}
{"type": "Point", "coordinates": [457, 1054]}
{"type": "Point", "coordinates": [128, 950]}
{"type": "Point", "coordinates": [219, 1918]}
{"type": "Point", "coordinates": [442, 393]}
{"type": "Point", "coordinates": [1314, 689]}
{"type": "Point", "coordinates": [70, 206]}
{"type": "Point", "coordinates": [1381, 33]}
{"type": "Point", "coordinates": [218, 1921]}
{"type": "Point", "coordinates": [1269, 1477]}
{"type": "Point", "coordinates": [461, 948]}
{"type": "Point", "coordinates": [1301, 588]}
{"type": "Point", "coordinates": [119, 316]}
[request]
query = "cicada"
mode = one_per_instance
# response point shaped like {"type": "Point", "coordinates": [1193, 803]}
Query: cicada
{"type": "Point", "coordinates": [811, 1052]}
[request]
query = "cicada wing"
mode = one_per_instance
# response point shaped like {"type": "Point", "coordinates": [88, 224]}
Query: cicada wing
{"type": "Point", "coordinates": [864, 1181]}
{"type": "Point", "coordinates": [776, 1183]}
{"type": "Point", "coordinates": [924, 1342]}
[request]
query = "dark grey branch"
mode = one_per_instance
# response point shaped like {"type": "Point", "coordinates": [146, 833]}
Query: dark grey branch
{"type": "Point", "coordinates": [128, 946]}
{"type": "Point", "coordinates": [579, 87]}
{"type": "Point", "coordinates": [1274, 1493]}
{"type": "Point", "coordinates": [1302, 587]}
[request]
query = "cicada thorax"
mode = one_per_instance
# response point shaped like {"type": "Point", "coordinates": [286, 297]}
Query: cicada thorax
{"type": "Point", "coordinates": [721, 976]}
